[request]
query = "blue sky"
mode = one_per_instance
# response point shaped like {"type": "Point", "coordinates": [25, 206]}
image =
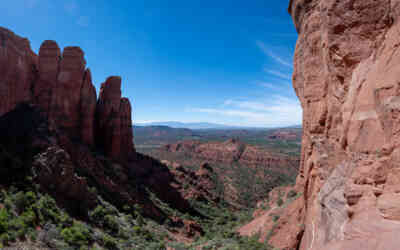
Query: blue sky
{"type": "Point", "coordinates": [224, 61]}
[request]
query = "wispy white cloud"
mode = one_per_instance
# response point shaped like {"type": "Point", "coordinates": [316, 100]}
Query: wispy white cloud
{"type": "Point", "coordinates": [278, 74]}
{"type": "Point", "coordinates": [145, 121]}
{"type": "Point", "coordinates": [268, 52]}
{"type": "Point", "coordinates": [277, 111]}
{"type": "Point", "coordinates": [276, 86]}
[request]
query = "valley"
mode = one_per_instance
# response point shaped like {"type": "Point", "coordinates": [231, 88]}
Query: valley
{"type": "Point", "coordinates": [75, 173]}
{"type": "Point", "coordinates": [84, 165]}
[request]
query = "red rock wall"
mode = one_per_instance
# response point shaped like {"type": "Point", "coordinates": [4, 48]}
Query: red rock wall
{"type": "Point", "coordinates": [17, 68]}
{"type": "Point", "coordinates": [61, 86]}
{"type": "Point", "coordinates": [114, 123]}
{"type": "Point", "coordinates": [347, 77]}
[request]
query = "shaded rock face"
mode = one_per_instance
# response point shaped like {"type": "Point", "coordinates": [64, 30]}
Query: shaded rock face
{"type": "Point", "coordinates": [49, 117]}
{"type": "Point", "coordinates": [346, 76]}
{"type": "Point", "coordinates": [17, 70]}
{"type": "Point", "coordinates": [30, 145]}
{"type": "Point", "coordinates": [114, 123]}
{"type": "Point", "coordinates": [59, 83]}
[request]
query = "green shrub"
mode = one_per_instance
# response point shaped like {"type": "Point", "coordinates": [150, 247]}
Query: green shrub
{"type": "Point", "coordinates": [4, 217]}
{"type": "Point", "coordinates": [98, 214]}
{"type": "Point", "coordinates": [111, 223]}
{"type": "Point", "coordinates": [140, 220]}
{"type": "Point", "coordinates": [109, 242]}
{"type": "Point", "coordinates": [23, 200]}
{"type": "Point", "coordinates": [77, 235]}
{"type": "Point", "coordinates": [47, 210]}
{"type": "Point", "coordinates": [32, 235]}
{"type": "Point", "coordinates": [5, 239]}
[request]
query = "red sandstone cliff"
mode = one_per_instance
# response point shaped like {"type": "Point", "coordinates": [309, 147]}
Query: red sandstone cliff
{"type": "Point", "coordinates": [347, 79]}
{"type": "Point", "coordinates": [53, 126]}
{"type": "Point", "coordinates": [346, 75]}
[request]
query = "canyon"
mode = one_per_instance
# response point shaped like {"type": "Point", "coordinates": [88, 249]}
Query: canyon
{"type": "Point", "coordinates": [74, 151]}
{"type": "Point", "coordinates": [233, 150]}
{"type": "Point", "coordinates": [347, 191]}
{"type": "Point", "coordinates": [246, 173]}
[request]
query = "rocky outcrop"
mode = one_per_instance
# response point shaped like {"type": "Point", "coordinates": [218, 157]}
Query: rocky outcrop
{"type": "Point", "coordinates": [287, 135]}
{"type": "Point", "coordinates": [87, 110]}
{"type": "Point", "coordinates": [49, 58]}
{"type": "Point", "coordinates": [31, 144]}
{"type": "Point", "coordinates": [234, 151]}
{"type": "Point", "coordinates": [59, 83]}
{"type": "Point", "coordinates": [17, 70]}
{"type": "Point", "coordinates": [114, 123]}
{"type": "Point", "coordinates": [241, 174]}
{"type": "Point", "coordinates": [347, 79]}
{"type": "Point", "coordinates": [198, 186]}
{"type": "Point", "coordinates": [55, 133]}
{"type": "Point", "coordinates": [66, 96]}
{"type": "Point", "coordinates": [276, 220]}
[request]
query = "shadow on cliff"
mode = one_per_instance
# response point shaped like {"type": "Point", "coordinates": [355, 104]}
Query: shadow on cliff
{"type": "Point", "coordinates": [32, 149]}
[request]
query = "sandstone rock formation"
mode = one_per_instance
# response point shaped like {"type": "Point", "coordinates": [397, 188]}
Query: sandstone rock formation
{"type": "Point", "coordinates": [347, 79]}
{"type": "Point", "coordinates": [273, 218]}
{"type": "Point", "coordinates": [233, 150]}
{"type": "Point", "coordinates": [59, 83]}
{"type": "Point", "coordinates": [192, 185]}
{"type": "Point", "coordinates": [17, 71]}
{"type": "Point", "coordinates": [49, 58]}
{"type": "Point", "coordinates": [53, 128]}
{"type": "Point", "coordinates": [114, 123]}
{"type": "Point", "coordinates": [288, 135]}
{"type": "Point", "coordinates": [346, 76]}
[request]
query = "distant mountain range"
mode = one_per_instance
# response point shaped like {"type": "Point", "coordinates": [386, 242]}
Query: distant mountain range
{"type": "Point", "coordinates": [193, 125]}
{"type": "Point", "coordinates": [200, 125]}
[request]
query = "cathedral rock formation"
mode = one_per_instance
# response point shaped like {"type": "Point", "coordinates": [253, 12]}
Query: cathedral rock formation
{"type": "Point", "coordinates": [55, 130]}
{"type": "Point", "coordinates": [61, 86]}
{"type": "Point", "coordinates": [347, 77]}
